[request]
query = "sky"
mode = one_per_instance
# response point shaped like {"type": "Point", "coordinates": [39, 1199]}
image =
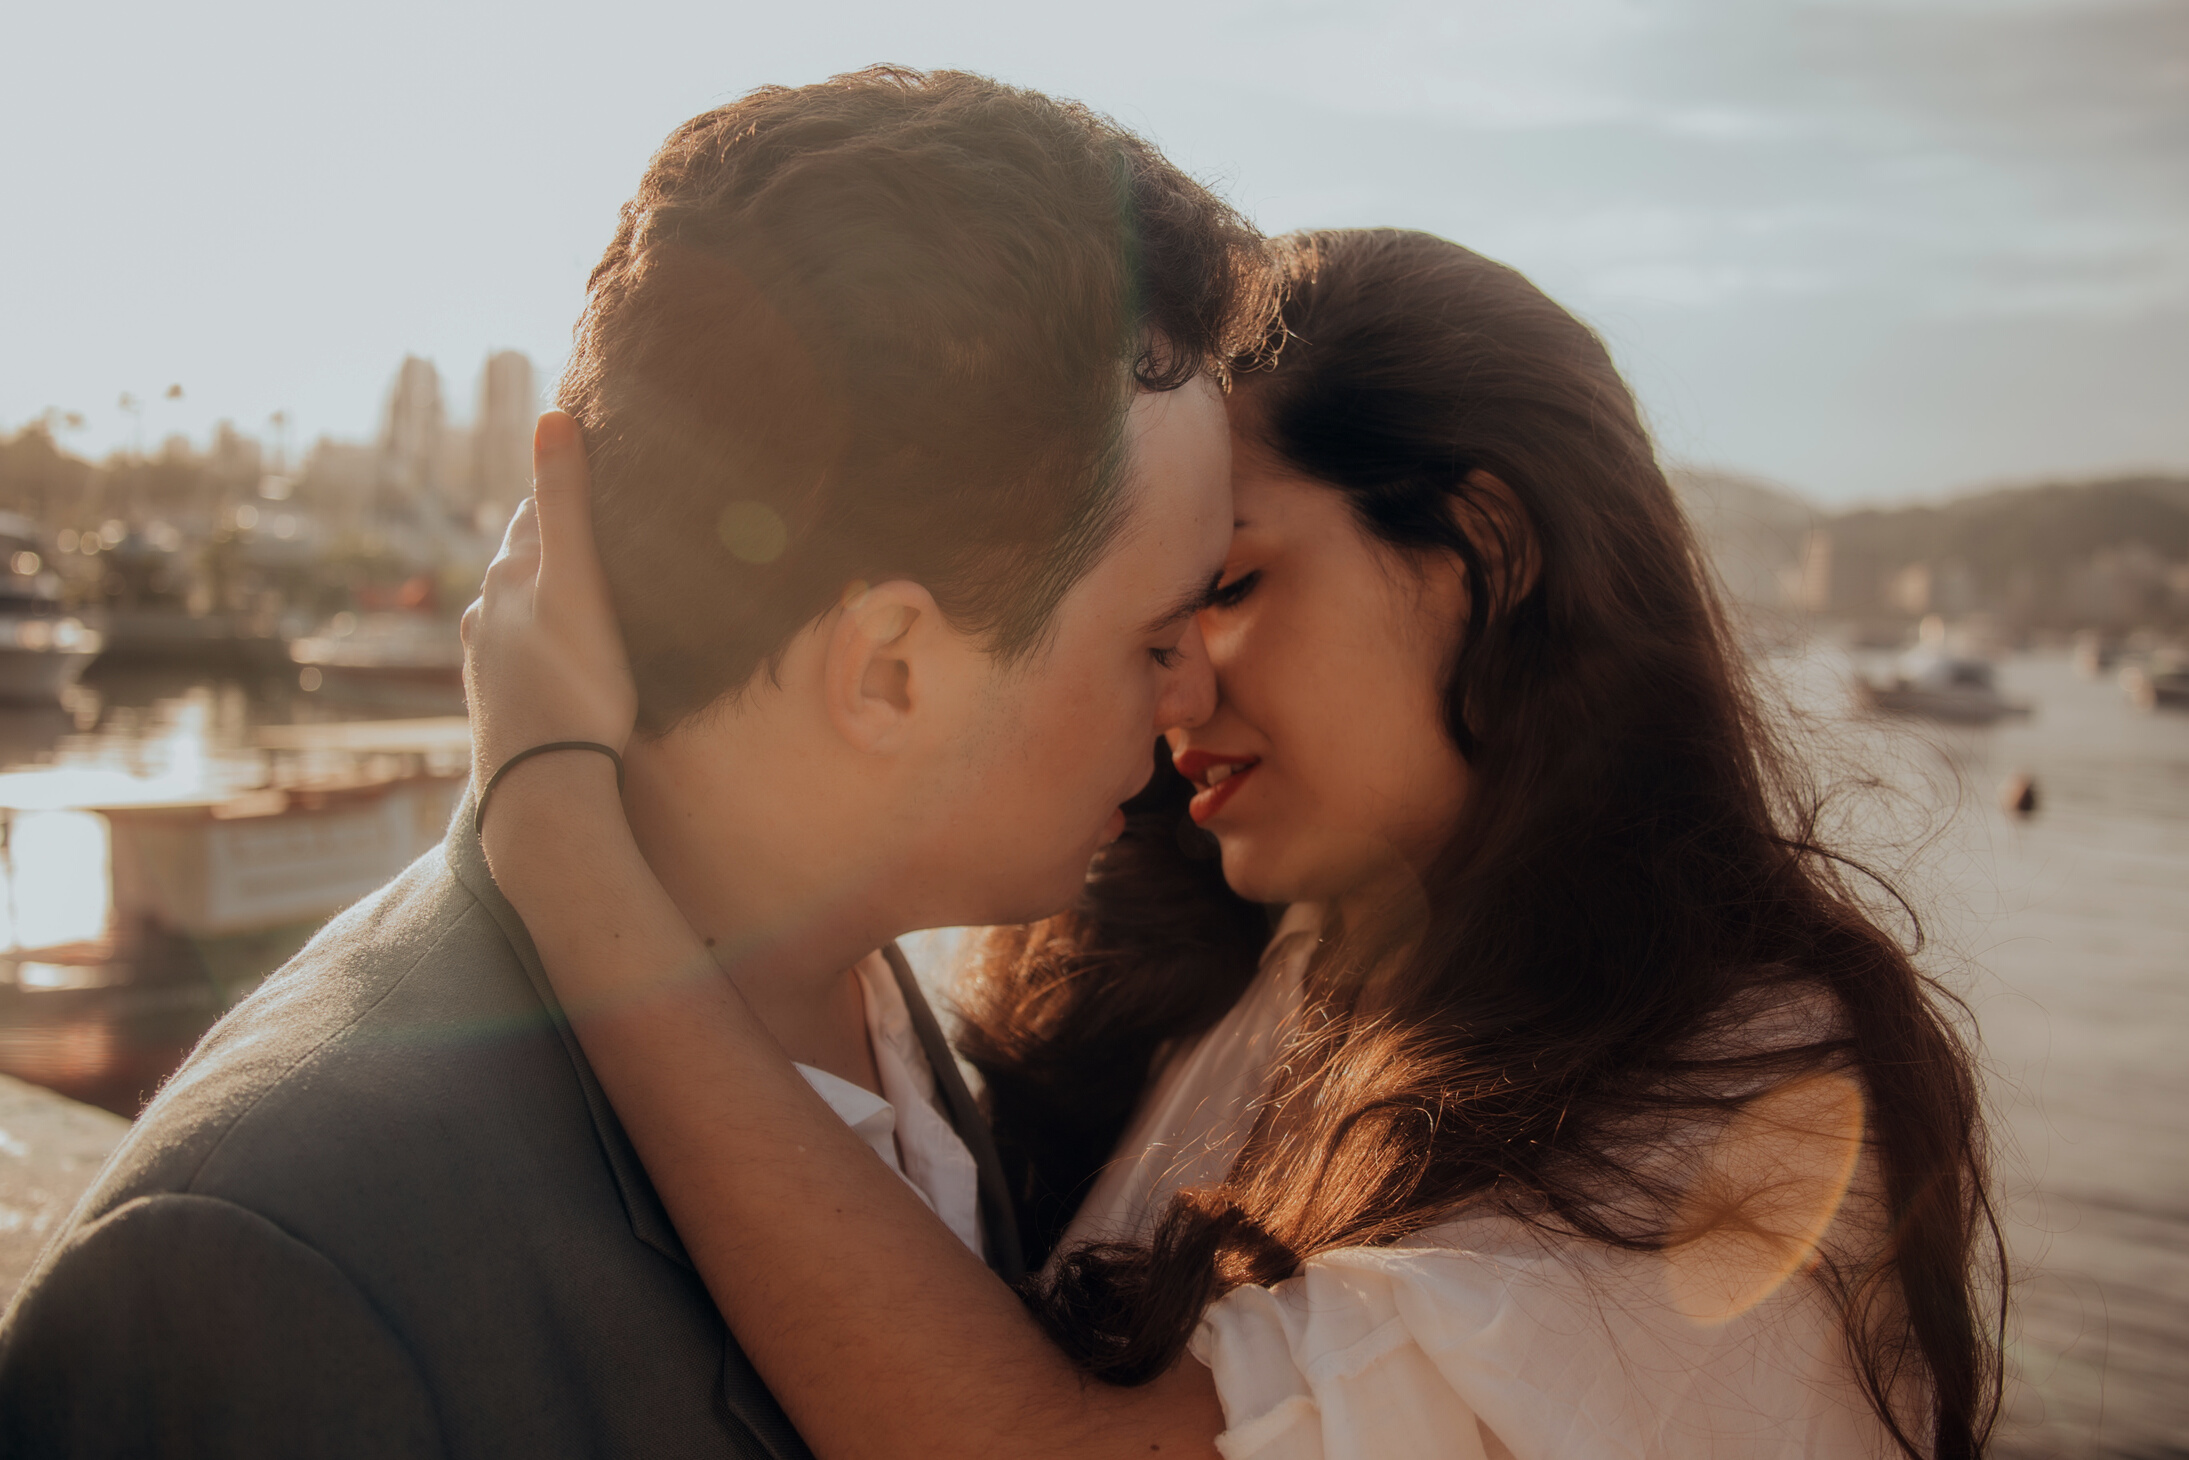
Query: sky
{"type": "Point", "coordinates": [1872, 250]}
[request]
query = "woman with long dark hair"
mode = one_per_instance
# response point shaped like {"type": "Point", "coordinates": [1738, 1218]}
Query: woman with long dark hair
{"type": "Point", "coordinates": [1468, 1048]}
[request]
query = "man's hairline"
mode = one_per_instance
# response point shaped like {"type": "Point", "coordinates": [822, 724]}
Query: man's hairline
{"type": "Point", "coordinates": [1123, 509]}
{"type": "Point", "coordinates": [1127, 512]}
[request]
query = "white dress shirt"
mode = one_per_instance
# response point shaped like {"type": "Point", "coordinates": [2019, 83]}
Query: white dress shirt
{"type": "Point", "coordinates": [906, 1124]}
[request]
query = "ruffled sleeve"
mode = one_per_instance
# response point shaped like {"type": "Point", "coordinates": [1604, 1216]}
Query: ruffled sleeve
{"type": "Point", "coordinates": [1326, 1367]}
{"type": "Point", "coordinates": [1489, 1339]}
{"type": "Point", "coordinates": [1504, 1347]}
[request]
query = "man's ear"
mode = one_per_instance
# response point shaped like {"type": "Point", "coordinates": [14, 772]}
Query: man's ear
{"type": "Point", "coordinates": [867, 674]}
{"type": "Point", "coordinates": [1489, 512]}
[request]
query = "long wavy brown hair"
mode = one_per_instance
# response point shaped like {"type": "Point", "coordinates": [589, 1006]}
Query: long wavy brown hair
{"type": "Point", "coordinates": [1637, 870]}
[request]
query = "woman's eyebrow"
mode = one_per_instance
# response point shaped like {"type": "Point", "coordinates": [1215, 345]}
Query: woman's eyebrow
{"type": "Point", "coordinates": [1189, 603]}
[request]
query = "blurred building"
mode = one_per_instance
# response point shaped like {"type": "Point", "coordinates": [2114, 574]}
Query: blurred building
{"type": "Point", "coordinates": [501, 441]}
{"type": "Point", "coordinates": [411, 438]}
{"type": "Point", "coordinates": [340, 478]}
{"type": "Point", "coordinates": [234, 463]}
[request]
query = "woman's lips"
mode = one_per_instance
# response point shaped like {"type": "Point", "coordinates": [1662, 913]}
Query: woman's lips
{"type": "Point", "coordinates": [1218, 776]}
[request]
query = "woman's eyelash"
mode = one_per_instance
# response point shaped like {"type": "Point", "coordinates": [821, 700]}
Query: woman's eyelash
{"type": "Point", "coordinates": [1226, 595]}
{"type": "Point", "coordinates": [1229, 595]}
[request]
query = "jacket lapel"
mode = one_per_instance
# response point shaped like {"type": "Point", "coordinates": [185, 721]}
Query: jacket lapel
{"type": "Point", "coordinates": [649, 1219]}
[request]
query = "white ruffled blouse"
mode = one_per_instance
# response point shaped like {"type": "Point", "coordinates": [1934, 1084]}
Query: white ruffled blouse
{"type": "Point", "coordinates": [1487, 1339]}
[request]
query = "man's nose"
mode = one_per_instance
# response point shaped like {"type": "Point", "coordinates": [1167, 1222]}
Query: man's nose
{"type": "Point", "coordinates": [1189, 695]}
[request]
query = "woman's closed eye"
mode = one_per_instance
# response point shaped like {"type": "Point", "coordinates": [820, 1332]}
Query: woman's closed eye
{"type": "Point", "coordinates": [1232, 594]}
{"type": "Point", "coordinates": [1166, 658]}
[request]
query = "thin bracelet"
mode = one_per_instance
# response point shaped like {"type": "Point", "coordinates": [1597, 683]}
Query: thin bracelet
{"type": "Point", "coordinates": [478, 813]}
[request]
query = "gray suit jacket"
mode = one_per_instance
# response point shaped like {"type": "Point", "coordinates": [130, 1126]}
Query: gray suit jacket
{"type": "Point", "coordinates": [384, 1210]}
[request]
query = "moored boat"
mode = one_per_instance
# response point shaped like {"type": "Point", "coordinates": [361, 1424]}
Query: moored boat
{"type": "Point", "coordinates": [407, 647]}
{"type": "Point", "coordinates": [2160, 682]}
{"type": "Point", "coordinates": [1935, 685]}
{"type": "Point", "coordinates": [42, 650]}
{"type": "Point", "coordinates": [408, 662]}
{"type": "Point", "coordinates": [183, 898]}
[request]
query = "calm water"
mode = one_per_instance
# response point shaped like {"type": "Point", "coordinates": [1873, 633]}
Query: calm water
{"type": "Point", "coordinates": [2067, 932]}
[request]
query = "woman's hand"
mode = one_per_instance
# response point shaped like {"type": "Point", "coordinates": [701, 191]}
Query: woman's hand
{"type": "Point", "coordinates": [543, 658]}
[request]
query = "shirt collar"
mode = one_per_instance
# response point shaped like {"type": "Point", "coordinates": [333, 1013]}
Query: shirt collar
{"type": "Point", "coordinates": [904, 1125]}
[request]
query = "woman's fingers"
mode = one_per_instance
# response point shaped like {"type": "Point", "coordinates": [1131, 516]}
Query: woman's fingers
{"type": "Point", "coordinates": [521, 519]}
{"type": "Point", "coordinates": [511, 577]}
{"type": "Point", "coordinates": [562, 486]}
{"type": "Point", "coordinates": [524, 529]}
{"type": "Point", "coordinates": [521, 543]}
{"type": "Point", "coordinates": [544, 659]}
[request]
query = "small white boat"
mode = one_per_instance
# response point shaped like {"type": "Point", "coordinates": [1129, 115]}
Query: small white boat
{"type": "Point", "coordinates": [137, 912]}
{"type": "Point", "coordinates": [270, 858]}
{"type": "Point", "coordinates": [1931, 683]}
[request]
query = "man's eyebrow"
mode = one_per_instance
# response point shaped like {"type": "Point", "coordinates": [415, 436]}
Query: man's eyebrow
{"type": "Point", "coordinates": [1189, 603]}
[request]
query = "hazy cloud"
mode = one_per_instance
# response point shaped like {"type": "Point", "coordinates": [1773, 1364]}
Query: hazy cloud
{"type": "Point", "coordinates": [1864, 247]}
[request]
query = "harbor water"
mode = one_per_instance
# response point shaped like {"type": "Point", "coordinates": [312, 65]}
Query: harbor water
{"type": "Point", "coordinates": [2065, 930]}
{"type": "Point", "coordinates": [2068, 932]}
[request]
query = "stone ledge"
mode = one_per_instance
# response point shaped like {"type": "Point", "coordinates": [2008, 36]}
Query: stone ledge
{"type": "Point", "coordinates": [51, 1148]}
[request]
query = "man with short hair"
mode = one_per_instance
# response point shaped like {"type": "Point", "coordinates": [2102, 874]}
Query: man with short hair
{"type": "Point", "coordinates": [909, 474]}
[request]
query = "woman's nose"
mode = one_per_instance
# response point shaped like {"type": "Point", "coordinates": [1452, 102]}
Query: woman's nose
{"type": "Point", "coordinates": [1189, 694]}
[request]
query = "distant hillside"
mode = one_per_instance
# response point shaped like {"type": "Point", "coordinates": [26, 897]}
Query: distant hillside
{"type": "Point", "coordinates": [1755, 532]}
{"type": "Point", "coordinates": [1997, 532]}
{"type": "Point", "coordinates": [2110, 554]}
{"type": "Point", "coordinates": [2105, 554]}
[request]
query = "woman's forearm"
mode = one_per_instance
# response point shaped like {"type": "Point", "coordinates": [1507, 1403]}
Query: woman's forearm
{"type": "Point", "coordinates": [875, 1327]}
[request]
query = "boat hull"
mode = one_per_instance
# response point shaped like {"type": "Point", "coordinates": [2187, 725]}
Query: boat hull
{"type": "Point", "coordinates": [272, 857]}
{"type": "Point", "coordinates": [205, 899]}
{"type": "Point", "coordinates": [2167, 689]}
{"type": "Point", "coordinates": [1958, 709]}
